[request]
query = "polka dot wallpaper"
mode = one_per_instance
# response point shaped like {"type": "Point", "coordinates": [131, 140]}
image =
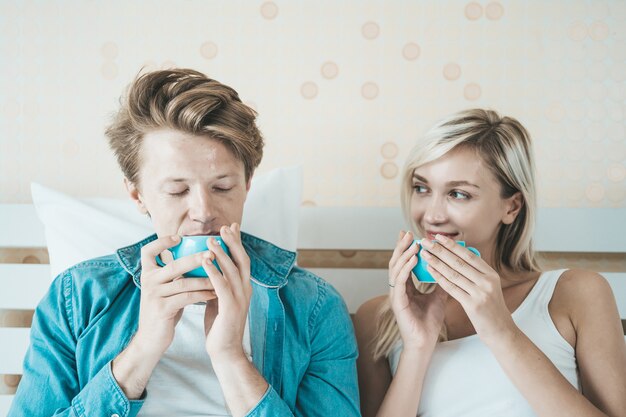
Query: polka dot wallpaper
{"type": "Point", "coordinates": [342, 88]}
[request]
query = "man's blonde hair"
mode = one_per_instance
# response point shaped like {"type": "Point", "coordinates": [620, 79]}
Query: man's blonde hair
{"type": "Point", "coordinates": [188, 101]}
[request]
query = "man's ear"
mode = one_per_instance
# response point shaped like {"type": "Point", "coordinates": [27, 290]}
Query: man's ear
{"type": "Point", "coordinates": [512, 207]}
{"type": "Point", "coordinates": [135, 195]}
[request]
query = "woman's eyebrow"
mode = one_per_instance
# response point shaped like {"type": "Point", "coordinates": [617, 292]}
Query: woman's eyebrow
{"type": "Point", "coordinates": [449, 183]}
{"type": "Point", "coordinates": [420, 178]}
{"type": "Point", "coordinates": [457, 183]}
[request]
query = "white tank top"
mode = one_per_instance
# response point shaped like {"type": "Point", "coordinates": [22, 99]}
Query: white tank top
{"type": "Point", "coordinates": [184, 382]}
{"type": "Point", "coordinates": [464, 378]}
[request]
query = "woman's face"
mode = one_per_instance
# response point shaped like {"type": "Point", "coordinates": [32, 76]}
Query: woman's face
{"type": "Point", "coordinates": [189, 185]}
{"type": "Point", "coordinates": [457, 196]}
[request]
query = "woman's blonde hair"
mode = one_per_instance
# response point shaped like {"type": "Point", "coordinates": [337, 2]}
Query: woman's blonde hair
{"type": "Point", "coordinates": [185, 100]}
{"type": "Point", "coordinates": [505, 148]}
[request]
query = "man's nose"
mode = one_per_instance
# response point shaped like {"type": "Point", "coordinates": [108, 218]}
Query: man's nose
{"type": "Point", "coordinates": [201, 207]}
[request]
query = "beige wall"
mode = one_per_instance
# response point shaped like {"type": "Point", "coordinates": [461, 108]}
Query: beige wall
{"type": "Point", "coordinates": [342, 87]}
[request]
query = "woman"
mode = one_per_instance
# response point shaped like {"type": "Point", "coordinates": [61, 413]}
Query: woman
{"type": "Point", "coordinates": [495, 336]}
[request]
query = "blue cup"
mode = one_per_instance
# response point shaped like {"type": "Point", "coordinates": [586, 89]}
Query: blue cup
{"type": "Point", "coordinates": [193, 244]}
{"type": "Point", "coordinates": [420, 271]}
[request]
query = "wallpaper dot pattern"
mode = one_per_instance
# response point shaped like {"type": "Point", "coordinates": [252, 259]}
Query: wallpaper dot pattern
{"type": "Point", "coordinates": [343, 89]}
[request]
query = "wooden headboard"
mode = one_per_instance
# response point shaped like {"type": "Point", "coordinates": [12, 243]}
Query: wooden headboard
{"type": "Point", "coordinates": [349, 247]}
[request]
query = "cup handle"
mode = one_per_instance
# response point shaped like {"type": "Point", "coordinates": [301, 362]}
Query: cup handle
{"type": "Point", "coordinates": [473, 250]}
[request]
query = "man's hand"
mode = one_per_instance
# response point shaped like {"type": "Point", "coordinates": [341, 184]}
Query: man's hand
{"type": "Point", "coordinates": [164, 294]}
{"type": "Point", "coordinates": [225, 321]}
{"type": "Point", "coordinates": [225, 317]}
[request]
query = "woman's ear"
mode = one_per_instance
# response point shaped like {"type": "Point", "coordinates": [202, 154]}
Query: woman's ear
{"type": "Point", "coordinates": [512, 206]}
{"type": "Point", "coordinates": [135, 195]}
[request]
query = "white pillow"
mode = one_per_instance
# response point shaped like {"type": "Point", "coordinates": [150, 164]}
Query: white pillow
{"type": "Point", "coordinates": [81, 229]}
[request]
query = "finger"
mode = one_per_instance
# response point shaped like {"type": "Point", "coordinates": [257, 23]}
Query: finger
{"type": "Point", "coordinates": [402, 279]}
{"type": "Point", "coordinates": [467, 259]}
{"type": "Point", "coordinates": [180, 301]}
{"type": "Point", "coordinates": [452, 260]}
{"type": "Point", "coordinates": [180, 266]}
{"type": "Point", "coordinates": [179, 286]}
{"type": "Point", "coordinates": [230, 272]}
{"type": "Point", "coordinates": [232, 238]}
{"type": "Point", "coordinates": [404, 258]}
{"type": "Point", "coordinates": [150, 251]}
{"type": "Point", "coordinates": [453, 290]}
{"type": "Point", "coordinates": [451, 274]}
{"type": "Point", "coordinates": [401, 246]}
{"type": "Point", "coordinates": [244, 268]}
{"type": "Point", "coordinates": [223, 288]}
{"type": "Point", "coordinates": [166, 256]}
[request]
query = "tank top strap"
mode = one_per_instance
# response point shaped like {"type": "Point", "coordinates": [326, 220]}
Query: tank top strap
{"type": "Point", "coordinates": [541, 294]}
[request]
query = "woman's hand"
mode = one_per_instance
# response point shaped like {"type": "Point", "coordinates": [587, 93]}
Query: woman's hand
{"type": "Point", "coordinates": [419, 316]}
{"type": "Point", "coordinates": [472, 282]}
{"type": "Point", "coordinates": [225, 317]}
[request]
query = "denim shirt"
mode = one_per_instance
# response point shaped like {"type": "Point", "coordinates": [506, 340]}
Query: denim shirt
{"type": "Point", "coordinates": [301, 337]}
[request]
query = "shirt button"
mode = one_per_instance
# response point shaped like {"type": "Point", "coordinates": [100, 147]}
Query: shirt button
{"type": "Point", "coordinates": [115, 415]}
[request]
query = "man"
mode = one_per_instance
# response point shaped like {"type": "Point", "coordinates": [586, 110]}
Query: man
{"type": "Point", "coordinates": [123, 336]}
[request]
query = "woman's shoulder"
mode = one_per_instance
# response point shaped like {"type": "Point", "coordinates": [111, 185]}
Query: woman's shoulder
{"type": "Point", "coordinates": [369, 309]}
{"type": "Point", "coordinates": [582, 283]}
{"type": "Point", "coordinates": [580, 290]}
{"type": "Point", "coordinates": [366, 317]}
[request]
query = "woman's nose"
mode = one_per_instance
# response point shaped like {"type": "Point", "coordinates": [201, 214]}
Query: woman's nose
{"type": "Point", "coordinates": [436, 211]}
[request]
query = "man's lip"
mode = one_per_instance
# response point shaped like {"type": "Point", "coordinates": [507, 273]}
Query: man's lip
{"type": "Point", "coordinates": [209, 233]}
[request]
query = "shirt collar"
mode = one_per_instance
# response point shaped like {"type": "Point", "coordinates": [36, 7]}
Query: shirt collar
{"type": "Point", "coordinates": [269, 264]}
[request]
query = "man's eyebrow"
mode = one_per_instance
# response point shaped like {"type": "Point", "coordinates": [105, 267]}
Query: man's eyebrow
{"type": "Point", "coordinates": [181, 179]}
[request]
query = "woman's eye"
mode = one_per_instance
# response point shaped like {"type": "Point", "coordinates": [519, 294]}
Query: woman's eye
{"type": "Point", "coordinates": [222, 190]}
{"type": "Point", "coordinates": [459, 195]}
{"type": "Point", "coordinates": [420, 189]}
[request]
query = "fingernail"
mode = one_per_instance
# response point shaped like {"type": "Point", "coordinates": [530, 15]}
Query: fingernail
{"type": "Point", "coordinates": [426, 243]}
{"type": "Point", "coordinates": [441, 238]}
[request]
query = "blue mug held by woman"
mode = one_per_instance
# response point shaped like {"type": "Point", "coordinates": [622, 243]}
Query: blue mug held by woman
{"type": "Point", "coordinates": [420, 270]}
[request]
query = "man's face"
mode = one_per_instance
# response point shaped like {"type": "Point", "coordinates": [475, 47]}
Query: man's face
{"type": "Point", "coordinates": [189, 185]}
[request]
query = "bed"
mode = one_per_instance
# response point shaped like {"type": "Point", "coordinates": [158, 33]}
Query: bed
{"type": "Point", "coordinates": [349, 247]}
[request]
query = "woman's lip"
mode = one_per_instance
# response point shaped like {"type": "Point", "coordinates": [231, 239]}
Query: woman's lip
{"type": "Point", "coordinates": [431, 235]}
